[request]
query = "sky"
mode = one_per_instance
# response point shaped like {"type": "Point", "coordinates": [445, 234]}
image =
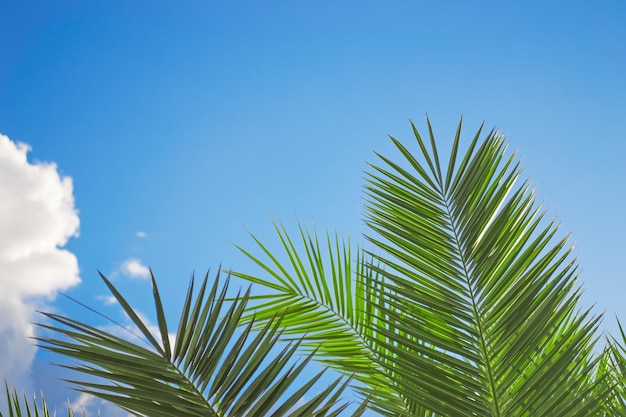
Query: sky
{"type": "Point", "coordinates": [155, 134]}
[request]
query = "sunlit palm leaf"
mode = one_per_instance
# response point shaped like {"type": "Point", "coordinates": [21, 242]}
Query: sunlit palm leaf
{"type": "Point", "coordinates": [470, 305]}
{"type": "Point", "coordinates": [316, 285]}
{"type": "Point", "coordinates": [214, 368]}
{"type": "Point", "coordinates": [489, 320]}
{"type": "Point", "coordinates": [321, 294]}
{"type": "Point", "coordinates": [613, 366]}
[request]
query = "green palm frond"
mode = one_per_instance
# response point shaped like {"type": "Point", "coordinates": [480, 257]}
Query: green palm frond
{"type": "Point", "coordinates": [318, 285]}
{"type": "Point", "coordinates": [322, 295]}
{"type": "Point", "coordinates": [487, 296]}
{"type": "Point", "coordinates": [21, 407]}
{"type": "Point", "coordinates": [613, 367]}
{"type": "Point", "coordinates": [465, 305]}
{"type": "Point", "coordinates": [213, 368]}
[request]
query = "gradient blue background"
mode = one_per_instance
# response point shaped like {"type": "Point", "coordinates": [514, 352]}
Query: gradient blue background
{"type": "Point", "coordinates": [194, 120]}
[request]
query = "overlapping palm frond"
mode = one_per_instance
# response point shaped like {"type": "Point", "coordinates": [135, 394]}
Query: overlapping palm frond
{"type": "Point", "coordinates": [319, 287]}
{"type": "Point", "coordinates": [613, 366]}
{"type": "Point", "coordinates": [214, 367]}
{"type": "Point", "coordinates": [467, 302]}
{"type": "Point", "coordinates": [322, 295]}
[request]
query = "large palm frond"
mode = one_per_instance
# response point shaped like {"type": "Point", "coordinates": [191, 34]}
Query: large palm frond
{"type": "Point", "coordinates": [480, 294]}
{"type": "Point", "coordinates": [470, 306]}
{"type": "Point", "coordinates": [214, 367]}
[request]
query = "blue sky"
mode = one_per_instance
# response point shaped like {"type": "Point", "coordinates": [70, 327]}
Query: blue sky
{"type": "Point", "coordinates": [194, 121]}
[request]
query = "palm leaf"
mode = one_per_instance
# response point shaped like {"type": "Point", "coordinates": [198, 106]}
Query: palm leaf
{"type": "Point", "coordinates": [323, 299]}
{"type": "Point", "coordinates": [213, 368]}
{"type": "Point", "coordinates": [21, 407]}
{"type": "Point", "coordinates": [612, 366]}
{"type": "Point", "coordinates": [465, 305]}
{"type": "Point", "coordinates": [475, 259]}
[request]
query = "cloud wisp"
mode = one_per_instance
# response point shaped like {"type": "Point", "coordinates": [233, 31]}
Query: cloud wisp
{"type": "Point", "coordinates": [135, 269]}
{"type": "Point", "coordinates": [37, 218]}
{"type": "Point", "coordinates": [107, 300]}
{"type": "Point", "coordinates": [131, 267]}
{"type": "Point", "coordinates": [93, 406]}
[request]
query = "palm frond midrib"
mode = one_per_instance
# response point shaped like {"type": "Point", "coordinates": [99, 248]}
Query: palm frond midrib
{"type": "Point", "coordinates": [474, 304]}
{"type": "Point", "coordinates": [327, 307]}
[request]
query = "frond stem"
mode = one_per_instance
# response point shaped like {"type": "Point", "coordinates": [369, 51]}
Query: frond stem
{"type": "Point", "coordinates": [359, 337]}
{"type": "Point", "coordinates": [477, 317]}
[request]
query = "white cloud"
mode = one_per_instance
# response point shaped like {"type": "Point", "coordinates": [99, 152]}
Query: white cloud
{"type": "Point", "coordinates": [83, 401]}
{"type": "Point", "coordinates": [37, 218]}
{"type": "Point", "coordinates": [135, 269]}
{"type": "Point", "coordinates": [141, 234]}
{"type": "Point", "coordinates": [95, 406]}
{"type": "Point", "coordinates": [131, 332]}
{"type": "Point", "coordinates": [107, 300]}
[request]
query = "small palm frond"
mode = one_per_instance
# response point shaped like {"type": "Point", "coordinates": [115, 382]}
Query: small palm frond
{"type": "Point", "coordinates": [23, 408]}
{"type": "Point", "coordinates": [613, 367]}
{"type": "Point", "coordinates": [214, 367]}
